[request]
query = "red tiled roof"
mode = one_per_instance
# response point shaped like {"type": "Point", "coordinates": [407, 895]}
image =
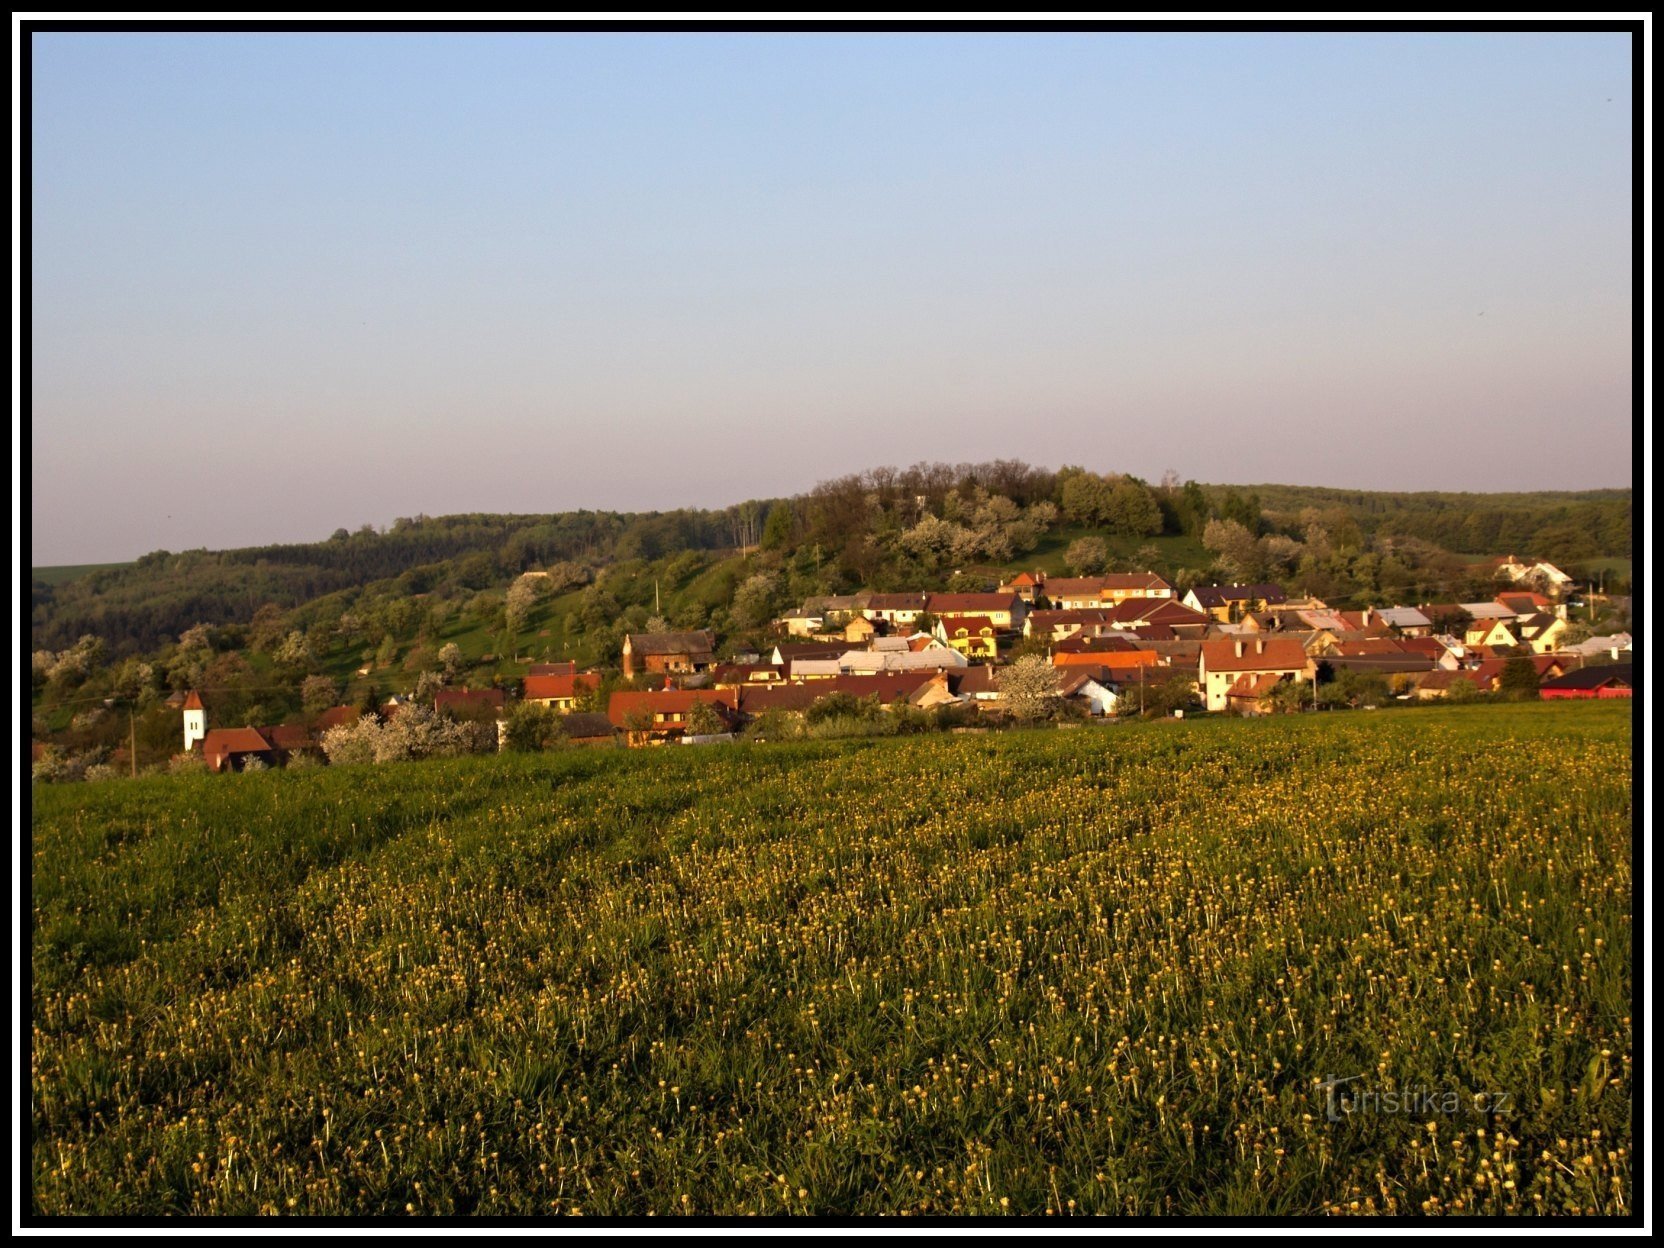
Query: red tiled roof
{"type": "Point", "coordinates": [667, 701]}
{"type": "Point", "coordinates": [192, 702]}
{"type": "Point", "coordinates": [288, 736]}
{"type": "Point", "coordinates": [1371, 645]}
{"type": "Point", "coordinates": [468, 699]}
{"type": "Point", "coordinates": [1253, 685]}
{"type": "Point", "coordinates": [337, 717]}
{"type": "Point", "coordinates": [1259, 654]}
{"type": "Point", "coordinates": [971, 604]}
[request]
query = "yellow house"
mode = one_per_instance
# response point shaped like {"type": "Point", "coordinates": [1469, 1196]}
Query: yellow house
{"type": "Point", "coordinates": [1490, 633]}
{"type": "Point", "coordinates": [972, 636]}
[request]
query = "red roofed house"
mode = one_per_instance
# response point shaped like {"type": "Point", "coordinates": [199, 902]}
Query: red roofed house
{"type": "Point", "coordinates": [1004, 611]}
{"type": "Point", "coordinates": [1078, 593]}
{"type": "Point", "coordinates": [1026, 585]}
{"type": "Point", "coordinates": [231, 748]}
{"type": "Point", "coordinates": [660, 715]}
{"type": "Point", "coordinates": [1608, 680]}
{"type": "Point", "coordinates": [1249, 692]}
{"type": "Point", "coordinates": [470, 703]}
{"type": "Point", "coordinates": [1223, 662]}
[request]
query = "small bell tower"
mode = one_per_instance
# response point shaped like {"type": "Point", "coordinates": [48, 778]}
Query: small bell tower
{"type": "Point", "coordinates": [196, 720]}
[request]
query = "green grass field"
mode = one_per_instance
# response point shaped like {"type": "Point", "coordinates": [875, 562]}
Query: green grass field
{"type": "Point", "coordinates": [1099, 971]}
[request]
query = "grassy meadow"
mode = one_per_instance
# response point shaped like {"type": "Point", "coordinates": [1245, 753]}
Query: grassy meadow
{"type": "Point", "coordinates": [1116, 970]}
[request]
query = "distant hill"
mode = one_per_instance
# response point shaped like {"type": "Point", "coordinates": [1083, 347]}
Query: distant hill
{"type": "Point", "coordinates": [850, 532]}
{"type": "Point", "coordinates": [69, 571]}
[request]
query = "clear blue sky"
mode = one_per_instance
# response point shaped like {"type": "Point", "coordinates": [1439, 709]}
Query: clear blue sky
{"type": "Point", "coordinates": [287, 283]}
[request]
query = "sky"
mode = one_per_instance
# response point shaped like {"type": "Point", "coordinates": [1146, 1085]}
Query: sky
{"type": "Point", "coordinates": [285, 283]}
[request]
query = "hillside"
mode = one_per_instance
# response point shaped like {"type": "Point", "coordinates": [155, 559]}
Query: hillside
{"type": "Point", "coordinates": [1100, 971]}
{"type": "Point", "coordinates": [844, 534]}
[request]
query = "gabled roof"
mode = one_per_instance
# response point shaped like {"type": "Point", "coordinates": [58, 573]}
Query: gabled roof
{"type": "Point", "coordinates": [1599, 677]}
{"type": "Point", "coordinates": [668, 701]}
{"type": "Point", "coordinates": [335, 717]}
{"type": "Point", "coordinates": [1403, 617]}
{"type": "Point", "coordinates": [971, 604]}
{"type": "Point", "coordinates": [1487, 610]}
{"type": "Point", "coordinates": [468, 699]}
{"type": "Point", "coordinates": [587, 726]}
{"type": "Point", "coordinates": [1253, 685]}
{"type": "Point", "coordinates": [895, 602]}
{"type": "Point", "coordinates": [288, 736]}
{"type": "Point", "coordinates": [702, 641]}
{"type": "Point", "coordinates": [1259, 654]}
{"type": "Point", "coordinates": [221, 743]}
{"type": "Point", "coordinates": [568, 668]}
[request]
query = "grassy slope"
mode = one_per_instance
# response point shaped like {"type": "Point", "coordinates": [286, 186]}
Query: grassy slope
{"type": "Point", "coordinates": [1099, 967]}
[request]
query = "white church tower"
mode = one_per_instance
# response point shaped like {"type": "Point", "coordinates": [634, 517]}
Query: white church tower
{"type": "Point", "coordinates": [196, 720]}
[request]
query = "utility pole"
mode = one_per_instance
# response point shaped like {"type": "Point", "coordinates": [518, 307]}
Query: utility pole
{"type": "Point", "coordinates": [132, 744]}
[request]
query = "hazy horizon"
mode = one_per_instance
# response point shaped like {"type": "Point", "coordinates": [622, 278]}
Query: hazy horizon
{"type": "Point", "coordinates": [284, 284]}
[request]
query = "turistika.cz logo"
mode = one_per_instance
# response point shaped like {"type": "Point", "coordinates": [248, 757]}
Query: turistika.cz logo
{"type": "Point", "coordinates": [1342, 1100]}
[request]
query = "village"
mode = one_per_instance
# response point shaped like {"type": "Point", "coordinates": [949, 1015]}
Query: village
{"type": "Point", "coordinates": [1036, 648]}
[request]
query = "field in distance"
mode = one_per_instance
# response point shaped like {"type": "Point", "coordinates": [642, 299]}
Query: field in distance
{"type": "Point", "coordinates": [1304, 965]}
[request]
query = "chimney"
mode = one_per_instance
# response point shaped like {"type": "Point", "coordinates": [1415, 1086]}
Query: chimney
{"type": "Point", "coordinates": [1259, 646]}
{"type": "Point", "coordinates": [1239, 647]}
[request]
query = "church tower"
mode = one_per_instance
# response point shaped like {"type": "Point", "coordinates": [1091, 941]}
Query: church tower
{"type": "Point", "coordinates": [196, 720]}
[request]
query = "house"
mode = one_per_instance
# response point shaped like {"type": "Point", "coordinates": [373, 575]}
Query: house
{"type": "Point", "coordinates": [1134, 613]}
{"type": "Point", "coordinates": [669, 652]}
{"type": "Point", "coordinates": [1003, 611]}
{"type": "Point", "coordinates": [1542, 632]}
{"type": "Point", "coordinates": [1405, 621]}
{"type": "Point", "coordinates": [560, 693]}
{"type": "Point", "coordinates": [926, 659]}
{"type": "Point", "coordinates": [1026, 585]}
{"type": "Point", "coordinates": [656, 716]}
{"type": "Point", "coordinates": [737, 675]}
{"type": "Point", "coordinates": [1439, 682]}
{"type": "Point", "coordinates": [1540, 573]}
{"type": "Point", "coordinates": [1222, 662]}
{"type": "Point", "coordinates": [589, 729]}
{"type": "Point", "coordinates": [466, 703]}
{"type": "Point", "coordinates": [971, 635]}
{"type": "Point", "coordinates": [782, 656]}
{"type": "Point", "coordinates": [1093, 688]}
{"type": "Point", "coordinates": [567, 668]}
{"type": "Point", "coordinates": [230, 749]}
{"type": "Point", "coordinates": [894, 608]}
{"type": "Point", "coordinates": [1489, 632]}
{"type": "Point", "coordinates": [1529, 602]}
{"type": "Point", "coordinates": [860, 630]}
{"type": "Point", "coordinates": [836, 609]}
{"type": "Point", "coordinates": [1078, 593]}
{"type": "Point", "coordinates": [1231, 602]}
{"type": "Point", "coordinates": [802, 623]}
{"type": "Point", "coordinates": [1613, 644]}
{"type": "Point", "coordinates": [1435, 649]}
{"type": "Point", "coordinates": [1116, 655]}
{"type": "Point", "coordinates": [1250, 693]}
{"type": "Point", "coordinates": [1608, 680]}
